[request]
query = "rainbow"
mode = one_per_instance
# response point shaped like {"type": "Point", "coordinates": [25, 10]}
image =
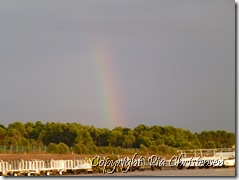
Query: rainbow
{"type": "Point", "coordinates": [109, 87]}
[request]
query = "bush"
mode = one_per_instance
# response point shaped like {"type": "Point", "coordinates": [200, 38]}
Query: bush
{"type": "Point", "coordinates": [153, 149]}
{"type": "Point", "coordinates": [81, 149]}
{"type": "Point", "coordinates": [101, 150]}
{"type": "Point", "coordinates": [118, 150]}
{"type": "Point", "coordinates": [143, 149]}
{"type": "Point", "coordinates": [23, 142]}
{"type": "Point", "coordinates": [85, 149]}
{"type": "Point", "coordinates": [53, 148]}
{"type": "Point", "coordinates": [108, 149]}
{"type": "Point", "coordinates": [77, 149]}
{"type": "Point", "coordinates": [93, 149]}
{"type": "Point", "coordinates": [62, 148]}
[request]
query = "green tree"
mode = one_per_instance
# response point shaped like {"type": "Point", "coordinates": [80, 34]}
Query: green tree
{"type": "Point", "coordinates": [129, 139]}
{"type": "Point", "coordinates": [210, 145]}
{"type": "Point", "coordinates": [143, 149]}
{"type": "Point", "coordinates": [3, 134]}
{"type": "Point", "coordinates": [23, 142]}
{"type": "Point", "coordinates": [62, 148]}
{"type": "Point", "coordinates": [19, 127]}
{"type": "Point", "coordinates": [53, 148]}
{"type": "Point", "coordinates": [116, 138]}
{"type": "Point", "coordinates": [196, 144]}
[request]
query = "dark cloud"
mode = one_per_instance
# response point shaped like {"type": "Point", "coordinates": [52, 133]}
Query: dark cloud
{"type": "Point", "coordinates": [174, 61]}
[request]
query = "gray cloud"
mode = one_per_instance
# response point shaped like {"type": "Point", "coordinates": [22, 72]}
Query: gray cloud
{"type": "Point", "coordinates": [174, 61]}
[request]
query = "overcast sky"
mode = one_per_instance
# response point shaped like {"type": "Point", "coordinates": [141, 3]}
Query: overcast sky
{"type": "Point", "coordinates": [119, 63]}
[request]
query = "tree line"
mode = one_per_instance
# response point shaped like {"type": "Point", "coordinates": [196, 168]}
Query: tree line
{"type": "Point", "coordinates": [78, 138]}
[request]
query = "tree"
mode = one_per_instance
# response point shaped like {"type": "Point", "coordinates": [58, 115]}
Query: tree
{"type": "Point", "coordinates": [140, 128]}
{"type": "Point", "coordinates": [3, 134]}
{"type": "Point", "coordinates": [196, 144]}
{"type": "Point", "coordinates": [62, 148]}
{"type": "Point", "coordinates": [19, 127]}
{"type": "Point", "coordinates": [170, 141]}
{"type": "Point", "coordinates": [129, 139]}
{"type": "Point", "coordinates": [60, 136]}
{"type": "Point", "coordinates": [116, 138]}
{"type": "Point", "coordinates": [53, 148]}
{"type": "Point", "coordinates": [23, 142]}
{"type": "Point", "coordinates": [143, 148]}
{"type": "Point", "coordinates": [14, 135]}
{"type": "Point", "coordinates": [210, 145]}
